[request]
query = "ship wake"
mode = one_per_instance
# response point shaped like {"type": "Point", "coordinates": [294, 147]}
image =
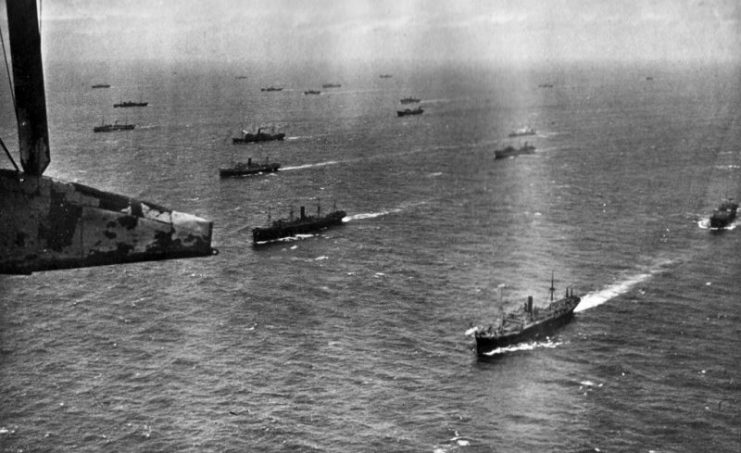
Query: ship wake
{"type": "Point", "coordinates": [547, 344]}
{"type": "Point", "coordinates": [597, 298]}
{"type": "Point", "coordinates": [318, 164]}
{"type": "Point", "coordinates": [373, 215]}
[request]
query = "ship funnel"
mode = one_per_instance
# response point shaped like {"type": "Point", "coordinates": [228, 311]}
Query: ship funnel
{"type": "Point", "coordinates": [552, 289]}
{"type": "Point", "coordinates": [529, 304]}
{"type": "Point", "coordinates": [303, 212]}
{"type": "Point", "coordinates": [249, 161]}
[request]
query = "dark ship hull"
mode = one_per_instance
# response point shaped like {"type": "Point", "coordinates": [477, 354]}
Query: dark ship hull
{"type": "Point", "coordinates": [405, 112]}
{"type": "Point", "coordinates": [259, 137]}
{"type": "Point", "coordinates": [486, 344]}
{"type": "Point", "coordinates": [113, 127]}
{"type": "Point", "coordinates": [303, 225]}
{"type": "Point", "coordinates": [131, 104]}
{"type": "Point", "coordinates": [248, 169]}
{"type": "Point", "coordinates": [522, 132]}
{"type": "Point", "coordinates": [409, 101]}
{"type": "Point", "coordinates": [530, 324]}
{"type": "Point", "coordinates": [724, 215]}
{"type": "Point", "coordinates": [101, 85]}
{"type": "Point", "coordinates": [511, 152]}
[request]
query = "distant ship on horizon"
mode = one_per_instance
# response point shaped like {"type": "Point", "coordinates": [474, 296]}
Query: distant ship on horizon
{"type": "Point", "coordinates": [101, 85]}
{"type": "Point", "coordinates": [259, 136]}
{"type": "Point", "coordinates": [125, 104]}
{"type": "Point", "coordinates": [113, 127]}
{"type": "Point", "coordinates": [405, 112]}
{"type": "Point", "coordinates": [511, 151]}
{"type": "Point", "coordinates": [522, 132]}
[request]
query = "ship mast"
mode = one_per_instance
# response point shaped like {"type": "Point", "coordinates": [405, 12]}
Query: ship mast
{"type": "Point", "coordinates": [552, 289]}
{"type": "Point", "coordinates": [28, 75]}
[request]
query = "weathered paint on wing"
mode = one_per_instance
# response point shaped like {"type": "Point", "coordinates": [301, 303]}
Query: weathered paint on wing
{"type": "Point", "coordinates": [48, 224]}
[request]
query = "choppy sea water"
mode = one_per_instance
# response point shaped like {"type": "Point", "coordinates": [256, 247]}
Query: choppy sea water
{"type": "Point", "coordinates": [355, 339]}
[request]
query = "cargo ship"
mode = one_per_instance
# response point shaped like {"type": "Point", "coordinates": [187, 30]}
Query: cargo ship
{"type": "Point", "coordinates": [113, 127]}
{"type": "Point", "coordinates": [405, 112]}
{"type": "Point", "coordinates": [249, 168]}
{"type": "Point", "coordinates": [304, 224]}
{"type": "Point", "coordinates": [259, 136]}
{"type": "Point", "coordinates": [522, 132]}
{"type": "Point", "coordinates": [125, 104]}
{"type": "Point", "coordinates": [724, 214]}
{"type": "Point", "coordinates": [528, 323]}
{"type": "Point", "coordinates": [512, 152]}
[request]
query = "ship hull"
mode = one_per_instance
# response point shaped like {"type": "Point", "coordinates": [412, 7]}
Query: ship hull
{"type": "Point", "coordinates": [722, 220]}
{"type": "Point", "coordinates": [131, 104]}
{"type": "Point", "coordinates": [252, 138]}
{"type": "Point", "coordinates": [505, 153]}
{"type": "Point", "coordinates": [486, 343]}
{"type": "Point", "coordinates": [232, 172]}
{"type": "Point", "coordinates": [267, 234]}
{"type": "Point", "coordinates": [114, 128]}
{"type": "Point", "coordinates": [409, 112]}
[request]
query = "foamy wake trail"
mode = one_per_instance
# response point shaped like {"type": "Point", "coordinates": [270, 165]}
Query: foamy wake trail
{"type": "Point", "coordinates": [369, 215]}
{"type": "Point", "coordinates": [548, 344]}
{"type": "Point", "coordinates": [373, 215]}
{"type": "Point", "coordinates": [320, 164]}
{"type": "Point", "coordinates": [596, 298]}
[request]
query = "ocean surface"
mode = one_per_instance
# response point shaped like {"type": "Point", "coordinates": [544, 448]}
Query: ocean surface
{"type": "Point", "coordinates": [354, 339]}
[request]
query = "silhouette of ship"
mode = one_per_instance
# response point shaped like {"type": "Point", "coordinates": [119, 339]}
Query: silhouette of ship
{"type": "Point", "coordinates": [113, 127]}
{"type": "Point", "coordinates": [405, 112]}
{"type": "Point", "coordinates": [51, 224]}
{"type": "Point", "coordinates": [125, 104]}
{"type": "Point", "coordinates": [101, 85]}
{"type": "Point", "coordinates": [529, 323]}
{"type": "Point", "coordinates": [249, 168]}
{"type": "Point", "coordinates": [331, 85]}
{"type": "Point", "coordinates": [522, 132]}
{"type": "Point", "coordinates": [385, 76]}
{"type": "Point", "coordinates": [259, 136]}
{"type": "Point", "coordinates": [511, 151]}
{"type": "Point", "coordinates": [304, 224]}
{"type": "Point", "coordinates": [308, 92]}
{"type": "Point", "coordinates": [724, 214]}
{"type": "Point", "coordinates": [271, 89]}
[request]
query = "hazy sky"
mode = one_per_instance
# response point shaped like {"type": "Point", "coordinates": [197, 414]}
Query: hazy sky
{"type": "Point", "coordinates": [438, 30]}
